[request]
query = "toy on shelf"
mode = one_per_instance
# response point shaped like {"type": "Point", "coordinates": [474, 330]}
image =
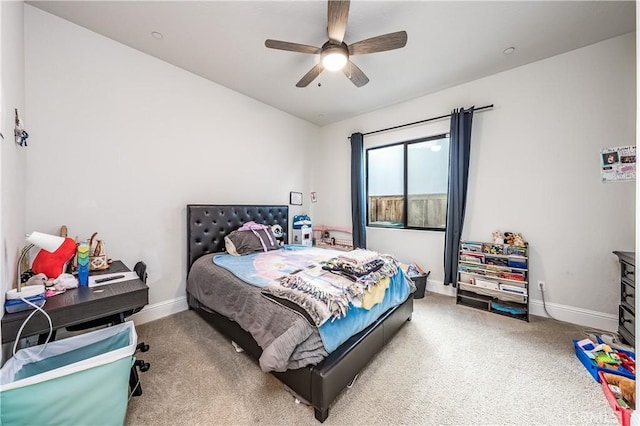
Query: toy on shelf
{"type": "Point", "coordinates": [497, 237]}
{"type": "Point", "coordinates": [514, 239]}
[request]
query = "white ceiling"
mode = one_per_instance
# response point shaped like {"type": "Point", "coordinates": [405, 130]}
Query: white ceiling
{"type": "Point", "coordinates": [449, 43]}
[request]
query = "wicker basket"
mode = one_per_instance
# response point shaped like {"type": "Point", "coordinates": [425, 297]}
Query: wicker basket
{"type": "Point", "coordinates": [98, 259]}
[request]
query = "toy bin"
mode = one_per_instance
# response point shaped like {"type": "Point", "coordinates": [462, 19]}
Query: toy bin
{"type": "Point", "coordinates": [79, 380]}
{"type": "Point", "coordinates": [623, 414]}
{"type": "Point", "coordinates": [593, 368]}
{"type": "Point", "coordinates": [420, 282]}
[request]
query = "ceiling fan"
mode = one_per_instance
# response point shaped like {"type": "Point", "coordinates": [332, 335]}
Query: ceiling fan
{"type": "Point", "coordinates": [334, 54]}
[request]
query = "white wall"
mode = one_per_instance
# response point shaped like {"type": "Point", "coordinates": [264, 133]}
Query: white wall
{"type": "Point", "coordinates": [12, 164]}
{"type": "Point", "coordinates": [121, 142]}
{"type": "Point", "coordinates": [112, 115]}
{"type": "Point", "coordinates": [534, 169]}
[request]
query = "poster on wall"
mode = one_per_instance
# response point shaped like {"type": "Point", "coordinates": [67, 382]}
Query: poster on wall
{"type": "Point", "coordinates": [618, 164]}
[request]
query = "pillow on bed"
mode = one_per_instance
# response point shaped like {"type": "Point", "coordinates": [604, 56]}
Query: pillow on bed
{"type": "Point", "coordinates": [242, 242]}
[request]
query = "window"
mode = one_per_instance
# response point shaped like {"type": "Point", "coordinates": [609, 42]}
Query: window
{"type": "Point", "coordinates": [407, 184]}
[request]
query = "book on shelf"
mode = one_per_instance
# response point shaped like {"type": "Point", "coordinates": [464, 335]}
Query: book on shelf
{"type": "Point", "coordinates": [511, 276]}
{"type": "Point", "coordinates": [513, 289]}
{"type": "Point", "coordinates": [497, 268]}
{"type": "Point", "coordinates": [472, 257]}
{"type": "Point", "coordinates": [491, 285]}
{"type": "Point", "coordinates": [516, 251]}
{"type": "Point", "coordinates": [493, 248]}
{"type": "Point", "coordinates": [503, 275]}
{"type": "Point", "coordinates": [517, 262]}
{"type": "Point", "coordinates": [471, 270]}
{"type": "Point", "coordinates": [497, 261]}
{"type": "Point", "coordinates": [471, 246]}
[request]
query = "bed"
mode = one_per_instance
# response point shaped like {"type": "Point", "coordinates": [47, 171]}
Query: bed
{"type": "Point", "coordinates": [318, 384]}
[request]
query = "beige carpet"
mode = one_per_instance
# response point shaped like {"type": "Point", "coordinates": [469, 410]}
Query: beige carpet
{"type": "Point", "coordinates": [450, 365]}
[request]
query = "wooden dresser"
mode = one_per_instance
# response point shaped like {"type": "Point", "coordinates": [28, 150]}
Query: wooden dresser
{"type": "Point", "coordinates": [627, 308]}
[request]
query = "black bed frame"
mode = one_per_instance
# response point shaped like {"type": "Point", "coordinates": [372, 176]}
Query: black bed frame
{"type": "Point", "coordinates": [318, 385]}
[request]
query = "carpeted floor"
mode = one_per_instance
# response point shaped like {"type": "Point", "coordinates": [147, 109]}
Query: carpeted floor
{"type": "Point", "coordinates": [449, 365]}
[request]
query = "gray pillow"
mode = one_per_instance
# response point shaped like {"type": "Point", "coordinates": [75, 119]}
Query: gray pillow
{"type": "Point", "coordinates": [243, 242]}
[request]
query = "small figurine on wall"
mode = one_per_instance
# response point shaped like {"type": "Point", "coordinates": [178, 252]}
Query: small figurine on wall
{"type": "Point", "coordinates": [20, 133]}
{"type": "Point", "coordinates": [497, 237]}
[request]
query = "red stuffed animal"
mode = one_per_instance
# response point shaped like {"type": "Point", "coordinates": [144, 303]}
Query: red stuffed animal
{"type": "Point", "coordinates": [52, 264]}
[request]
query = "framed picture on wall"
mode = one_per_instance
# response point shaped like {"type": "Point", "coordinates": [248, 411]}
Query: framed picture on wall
{"type": "Point", "coordinates": [295, 198]}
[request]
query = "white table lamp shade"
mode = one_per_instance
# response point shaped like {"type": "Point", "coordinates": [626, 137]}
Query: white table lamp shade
{"type": "Point", "coordinates": [47, 242]}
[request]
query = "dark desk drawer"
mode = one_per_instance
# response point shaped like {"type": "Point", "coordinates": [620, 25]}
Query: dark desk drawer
{"type": "Point", "coordinates": [628, 295]}
{"type": "Point", "coordinates": [626, 324]}
{"type": "Point", "coordinates": [628, 271]}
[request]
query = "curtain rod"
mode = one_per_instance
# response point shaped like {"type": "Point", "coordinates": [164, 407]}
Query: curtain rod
{"type": "Point", "coordinates": [421, 121]}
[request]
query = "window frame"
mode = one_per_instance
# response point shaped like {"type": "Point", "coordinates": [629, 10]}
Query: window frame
{"type": "Point", "coordinates": [405, 186]}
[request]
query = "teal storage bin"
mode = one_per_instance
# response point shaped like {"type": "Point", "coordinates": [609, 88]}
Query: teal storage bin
{"type": "Point", "coordinates": [82, 380]}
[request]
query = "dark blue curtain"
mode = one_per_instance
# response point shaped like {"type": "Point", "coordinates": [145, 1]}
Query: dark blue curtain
{"type": "Point", "coordinates": [358, 209]}
{"type": "Point", "coordinates": [459, 152]}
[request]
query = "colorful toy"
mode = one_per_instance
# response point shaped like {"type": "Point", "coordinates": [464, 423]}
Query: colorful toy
{"type": "Point", "coordinates": [627, 362]}
{"type": "Point", "coordinates": [53, 264]}
{"type": "Point", "coordinates": [627, 386]}
{"type": "Point", "coordinates": [518, 240]}
{"type": "Point", "coordinates": [607, 358]}
{"type": "Point", "coordinates": [497, 237]}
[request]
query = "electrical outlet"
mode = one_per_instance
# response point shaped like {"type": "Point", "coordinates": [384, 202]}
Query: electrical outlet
{"type": "Point", "coordinates": [541, 285]}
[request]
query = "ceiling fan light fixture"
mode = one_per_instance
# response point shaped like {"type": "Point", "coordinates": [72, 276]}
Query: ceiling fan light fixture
{"type": "Point", "coordinates": [335, 53]}
{"type": "Point", "coordinates": [334, 58]}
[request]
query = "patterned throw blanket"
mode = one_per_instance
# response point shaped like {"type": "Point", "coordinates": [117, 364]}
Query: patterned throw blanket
{"type": "Point", "coordinates": [321, 284]}
{"type": "Point", "coordinates": [263, 269]}
{"type": "Point", "coordinates": [326, 291]}
{"type": "Point", "coordinates": [259, 269]}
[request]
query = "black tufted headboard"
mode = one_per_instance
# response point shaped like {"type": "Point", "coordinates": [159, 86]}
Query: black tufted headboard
{"type": "Point", "coordinates": [207, 225]}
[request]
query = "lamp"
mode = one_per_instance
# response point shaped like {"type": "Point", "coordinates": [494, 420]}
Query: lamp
{"type": "Point", "coordinates": [46, 242]}
{"type": "Point", "coordinates": [334, 57]}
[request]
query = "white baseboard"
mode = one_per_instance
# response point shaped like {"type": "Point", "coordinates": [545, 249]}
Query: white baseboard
{"type": "Point", "coordinates": [440, 288]}
{"type": "Point", "coordinates": [584, 317]}
{"type": "Point", "coordinates": [160, 310]}
{"type": "Point", "coordinates": [571, 314]}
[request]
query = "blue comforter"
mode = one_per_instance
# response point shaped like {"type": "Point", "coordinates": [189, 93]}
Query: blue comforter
{"type": "Point", "coordinates": [335, 333]}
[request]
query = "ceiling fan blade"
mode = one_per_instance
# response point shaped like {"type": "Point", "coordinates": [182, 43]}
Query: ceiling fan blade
{"type": "Point", "coordinates": [293, 47]}
{"type": "Point", "coordinates": [337, 15]}
{"type": "Point", "coordinates": [310, 76]}
{"type": "Point", "coordinates": [355, 74]}
{"type": "Point", "coordinates": [379, 44]}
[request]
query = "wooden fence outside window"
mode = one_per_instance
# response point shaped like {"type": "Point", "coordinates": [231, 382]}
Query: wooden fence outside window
{"type": "Point", "coordinates": [425, 210]}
